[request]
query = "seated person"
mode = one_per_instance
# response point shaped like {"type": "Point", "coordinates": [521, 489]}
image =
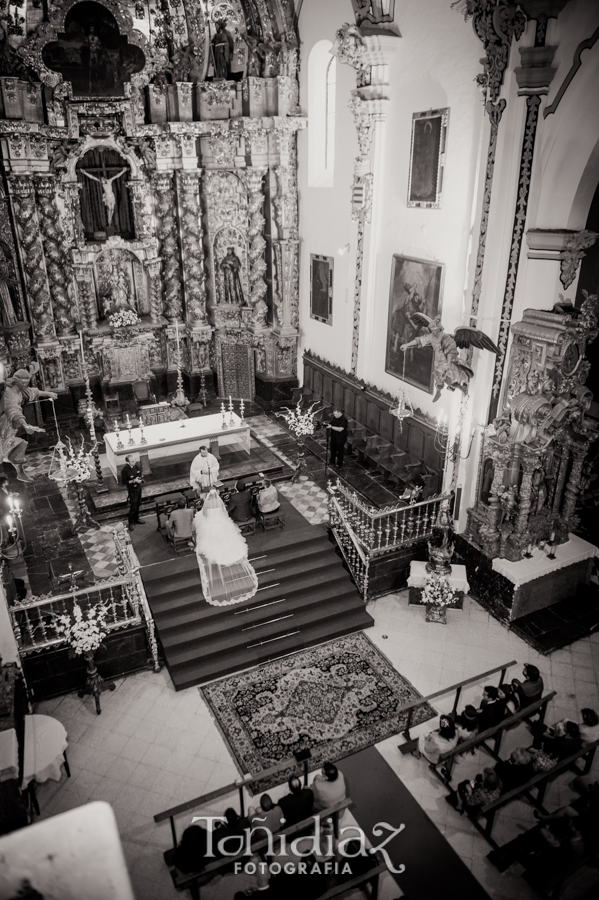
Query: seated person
{"type": "Point", "coordinates": [442, 740]}
{"type": "Point", "coordinates": [589, 730]}
{"type": "Point", "coordinates": [560, 740]}
{"type": "Point", "coordinates": [517, 770]}
{"type": "Point", "coordinates": [267, 815]}
{"type": "Point", "coordinates": [329, 787]}
{"type": "Point", "coordinates": [240, 504]}
{"type": "Point", "coordinates": [234, 826]}
{"type": "Point", "coordinates": [204, 470]}
{"type": "Point", "coordinates": [484, 789]}
{"type": "Point", "coordinates": [530, 690]}
{"type": "Point", "coordinates": [180, 522]}
{"type": "Point", "coordinates": [492, 708]}
{"type": "Point", "coordinates": [189, 856]}
{"type": "Point", "coordinates": [467, 723]}
{"type": "Point", "coordinates": [268, 499]}
{"type": "Point", "coordinates": [298, 803]}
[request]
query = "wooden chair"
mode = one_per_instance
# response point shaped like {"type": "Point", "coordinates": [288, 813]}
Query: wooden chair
{"type": "Point", "coordinates": [248, 526]}
{"type": "Point", "coordinates": [112, 404]}
{"type": "Point", "coordinates": [373, 449]}
{"type": "Point", "coordinates": [271, 519]}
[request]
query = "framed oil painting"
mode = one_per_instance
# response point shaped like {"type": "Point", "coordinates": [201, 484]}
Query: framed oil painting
{"type": "Point", "coordinates": [427, 158]}
{"type": "Point", "coordinates": [321, 288]}
{"type": "Point", "coordinates": [415, 287]}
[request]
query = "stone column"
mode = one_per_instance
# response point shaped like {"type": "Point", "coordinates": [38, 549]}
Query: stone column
{"type": "Point", "coordinates": [57, 264]}
{"type": "Point", "coordinates": [153, 268]}
{"type": "Point", "coordinates": [194, 278]}
{"type": "Point", "coordinates": [257, 264]}
{"type": "Point", "coordinates": [21, 189]}
{"type": "Point", "coordinates": [524, 500]}
{"type": "Point", "coordinates": [166, 232]}
{"type": "Point", "coordinates": [84, 280]}
{"type": "Point", "coordinates": [561, 477]}
{"type": "Point", "coordinates": [142, 222]}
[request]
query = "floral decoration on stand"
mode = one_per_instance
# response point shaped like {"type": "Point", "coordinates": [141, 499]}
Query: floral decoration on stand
{"type": "Point", "coordinates": [85, 634]}
{"type": "Point", "coordinates": [123, 318]}
{"type": "Point", "coordinates": [301, 424]}
{"type": "Point", "coordinates": [437, 594]}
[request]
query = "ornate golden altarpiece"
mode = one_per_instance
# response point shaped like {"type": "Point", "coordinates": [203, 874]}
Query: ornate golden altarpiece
{"type": "Point", "coordinates": [533, 455]}
{"type": "Point", "coordinates": [138, 179]}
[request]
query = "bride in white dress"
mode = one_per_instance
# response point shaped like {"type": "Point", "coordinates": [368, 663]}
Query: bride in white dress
{"type": "Point", "coordinates": [222, 551]}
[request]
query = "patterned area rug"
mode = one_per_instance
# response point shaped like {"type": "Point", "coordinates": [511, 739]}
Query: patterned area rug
{"type": "Point", "coordinates": [334, 700]}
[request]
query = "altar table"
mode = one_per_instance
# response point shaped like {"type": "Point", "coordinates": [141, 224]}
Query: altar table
{"type": "Point", "coordinates": [458, 581]}
{"type": "Point", "coordinates": [181, 439]}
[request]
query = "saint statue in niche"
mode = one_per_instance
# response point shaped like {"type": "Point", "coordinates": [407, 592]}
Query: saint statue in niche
{"type": "Point", "coordinates": [108, 197]}
{"type": "Point", "coordinates": [231, 267]}
{"type": "Point", "coordinates": [222, 51]}
{"type": "Point", "coordinates": [118, 293]}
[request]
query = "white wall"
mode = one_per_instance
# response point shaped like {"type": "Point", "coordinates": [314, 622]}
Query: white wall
{"type": "Point", "coordinates": [423, 75]}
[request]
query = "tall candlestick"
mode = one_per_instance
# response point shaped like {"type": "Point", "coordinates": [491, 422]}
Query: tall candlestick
{"type": "Point", "coordinates": [223, 413]}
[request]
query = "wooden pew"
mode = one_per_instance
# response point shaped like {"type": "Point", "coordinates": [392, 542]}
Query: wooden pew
{"type": "Point", "coordinates": [539, 781]}
{"type": "Point", "coordinates": [447, 760]}
{"type": "Point", "coordinates": [194, 880]}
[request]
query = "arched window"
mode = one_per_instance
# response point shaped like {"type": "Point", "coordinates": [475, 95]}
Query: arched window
{"type": "Point", "coordinates": [322, 84]}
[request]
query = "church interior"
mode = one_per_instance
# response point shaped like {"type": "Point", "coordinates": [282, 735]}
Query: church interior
{"type": "Point", "coordinates": [299, 432]}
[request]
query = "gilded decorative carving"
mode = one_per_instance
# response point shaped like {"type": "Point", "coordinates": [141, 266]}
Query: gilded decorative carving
{"type": "Point", "coordinates": [257, 264]}
{"type": "Point", "coordinates": [572, 254]}
{"type": "Point", "coordinates": [142, 218]}
{"type": "Point", "coordinates": [526, 159]}
{"type": "Point", "coordinates": [355, 345]}
{"type": "Point", "coordinates": [153, 269]}
{"type": "Point", "coordinates": [363, 120]}
{"type": "Point", "coordinates": [495, 112]}
{"type": "Point", "coordinates": [166, 232]}
{"type": "Point", "coordinates": [191, 246]}
{"type": "Point", "coordinates": [86, 294]}
{"type": "Point", "coordinates": [286, 284]}
{"type": "Point", "coordinates": [57, 262]}
{"type": "Point", "coordinates": [7, 238]}
{"type": "Point", "coordinates": [33, 257]}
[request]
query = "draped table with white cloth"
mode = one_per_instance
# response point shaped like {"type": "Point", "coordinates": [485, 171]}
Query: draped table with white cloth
{"type": "Point", "coordinates": [177, 441]}
{"type": "Point", "coordinates": [458, 581]}
{"type": "Point", "coordinates": [45, 744]}
{"type": "Point", "coordinates": [539, 582]}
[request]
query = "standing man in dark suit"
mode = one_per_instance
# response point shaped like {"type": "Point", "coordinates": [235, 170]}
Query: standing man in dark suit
{"type": "Point", "coordinates": [240, 504]}
{"type": "Point", "coordinates": [131, 477]}
{"type": "Point", "coordinates": [338, 428]}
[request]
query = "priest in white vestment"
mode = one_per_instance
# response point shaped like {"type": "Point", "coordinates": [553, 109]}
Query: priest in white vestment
{"type": "Point", "coordinates": [204, 471]}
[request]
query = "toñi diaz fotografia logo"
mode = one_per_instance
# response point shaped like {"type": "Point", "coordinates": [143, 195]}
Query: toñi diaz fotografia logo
{"type": "Point", "coordinates": [320, 846]}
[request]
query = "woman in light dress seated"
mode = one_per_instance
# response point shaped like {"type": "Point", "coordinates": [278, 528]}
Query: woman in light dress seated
{"type": "Point", "coordinates": [442, 740]}
{"type": "Point", "coordinates": [226, 575]}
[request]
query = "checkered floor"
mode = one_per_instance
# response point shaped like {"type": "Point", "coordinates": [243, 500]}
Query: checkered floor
{"type": "Point", "coordinates": [307, 498]}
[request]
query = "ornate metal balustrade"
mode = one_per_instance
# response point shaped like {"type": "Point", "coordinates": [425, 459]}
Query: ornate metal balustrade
{"type": "Point", "coordinates": [34, 621]}
{"type": "Point", "coordinates": [365, 533]}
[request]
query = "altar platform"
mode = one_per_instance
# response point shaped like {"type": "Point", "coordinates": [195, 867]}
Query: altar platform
{"type": "Point", "coordinates": [177, 441]}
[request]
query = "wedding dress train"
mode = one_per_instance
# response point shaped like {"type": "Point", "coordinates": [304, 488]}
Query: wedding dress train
{"type": "Point", "coordinates": [226, 575]}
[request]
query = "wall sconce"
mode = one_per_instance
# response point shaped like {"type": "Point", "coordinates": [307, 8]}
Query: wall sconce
{"type": "Point", "coordinates": [375, 11]}
{"type": "Point", "coordinates": [343, 251]}
{"type": "Point", "coordinates": [12, 521]}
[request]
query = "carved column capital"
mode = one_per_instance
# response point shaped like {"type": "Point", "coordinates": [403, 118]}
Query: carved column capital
{"type": "Point", "coordinates": [572, 254]}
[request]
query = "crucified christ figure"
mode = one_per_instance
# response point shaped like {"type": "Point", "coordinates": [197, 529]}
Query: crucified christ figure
{"type": "Point", "coordinates": [107, 192]}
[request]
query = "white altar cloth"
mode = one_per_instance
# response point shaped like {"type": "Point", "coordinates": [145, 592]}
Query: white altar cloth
{"type": "Point", "coordinates": [519, 573]}
{"type": "Point", "coordinates": [458, 579]}
{"type": "Point", "coordinates": [185, 436]}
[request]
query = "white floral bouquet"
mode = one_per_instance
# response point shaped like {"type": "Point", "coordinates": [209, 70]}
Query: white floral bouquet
{"type": "Point", "coordinates": [300, 422]}
{"type": "Point", "coordinates": [84, 633]}
{"type": "Point", "coordinates": [437, 591]}
{"type": "Point", "coordinates": [122, 318]}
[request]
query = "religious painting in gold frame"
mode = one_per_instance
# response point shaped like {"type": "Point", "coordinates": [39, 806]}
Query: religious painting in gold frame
{"type": "Point", "coordinates": [427, 158]}
{"type": "Point", "coordinates": [416, 286]}
{"type": "Point", "coordinates": [321, 288]}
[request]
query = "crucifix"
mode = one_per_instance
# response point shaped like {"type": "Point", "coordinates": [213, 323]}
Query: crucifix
{"type": "Point", "coordinates": [108, 197]}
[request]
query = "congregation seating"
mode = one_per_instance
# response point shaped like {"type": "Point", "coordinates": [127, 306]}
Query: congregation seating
{"type": "Point", "coordinates": [403, 453]}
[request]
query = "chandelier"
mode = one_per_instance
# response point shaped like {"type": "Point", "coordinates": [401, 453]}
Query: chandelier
{"type": "Point", "coordinates": [402, 408]}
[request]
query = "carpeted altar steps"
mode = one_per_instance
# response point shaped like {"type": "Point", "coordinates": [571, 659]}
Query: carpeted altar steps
{"type": "Point", "coordinates": [305, 597]}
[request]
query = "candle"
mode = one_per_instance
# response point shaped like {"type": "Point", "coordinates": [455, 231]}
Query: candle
{"type": "Point", "coordinates": [552, 537]}
{"type": "Point", "coordinates": [230, 402]}
{"type": "Point", "coordinates": [9, 521]}
{"type": "Point", "coordinates": [128, 422]}
{"type": "Point", "coordinates": [529, 549]}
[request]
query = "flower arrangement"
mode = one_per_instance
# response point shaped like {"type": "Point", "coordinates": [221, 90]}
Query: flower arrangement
{"type": "Point", "coordinates": [122, 318]}
{"type": "Point", "coordinates": [84, 633]}
{"type": "Point", "coordinates": [437, 591]}
{"type": "Point", "coordinates": [300, 422]}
